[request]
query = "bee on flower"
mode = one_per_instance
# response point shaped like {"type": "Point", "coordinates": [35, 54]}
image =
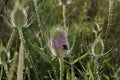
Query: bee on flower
{"type": "Point", "coordinates": [59, 43]}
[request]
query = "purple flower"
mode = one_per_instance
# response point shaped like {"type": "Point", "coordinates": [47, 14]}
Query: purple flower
{"type": "Point", "coordinates": [59, 42]}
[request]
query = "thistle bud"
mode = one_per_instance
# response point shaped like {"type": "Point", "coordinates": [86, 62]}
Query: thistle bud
{"type": "Point", "coordinates": [19, 16]}
{"type": "Point", "coordinates": [98, 47]}
{"type": "Point", "coordinates": [59, 44]}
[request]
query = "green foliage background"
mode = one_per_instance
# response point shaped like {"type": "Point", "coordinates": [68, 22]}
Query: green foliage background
{"type": "Point", "coordinates": [80, 64]}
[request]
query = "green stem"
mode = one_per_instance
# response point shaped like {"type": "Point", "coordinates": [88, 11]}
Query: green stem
{"type": "Point", "coordinates": [38, 17]}
{"type": "Point", "coordinates": [72, 69]}
{"type": "Point", "coordinates": [21, 35]}
{"type": "Point", "coordinates": [64, 15]}
{"type": "Point", "coordinates": [21, 56]}
{"type": "Point", "coordinates": [8, 49]}
{"type": "Point", "coordinates": [10, 42]}
{"type": "Point", "coordinates": [61, 67]}
{"type": "Point", "coordinates": [109, 19]}
{"type": "Point", "coordinates": [37, 13]}
{"type": "Point", "coordinates": [40, 24]}
{"type": "Point", "coordinates": [96, 64]}
{"type": "Point", "coordinates": [12, 68]}
{"type": "Point", "coordinates": [6, 69]}
{"type": "Point", "coordinates": [20, 62]}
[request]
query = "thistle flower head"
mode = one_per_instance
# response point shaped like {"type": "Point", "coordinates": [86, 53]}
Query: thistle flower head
{"type": "Point", "coordinates": [59, 43]}
{"type": "Point", "coordinates": [18, 17]}
{"type": "Point", "coordinates": [97, 47]}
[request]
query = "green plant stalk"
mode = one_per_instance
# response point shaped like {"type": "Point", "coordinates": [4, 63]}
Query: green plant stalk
{"type": "Point", "coordinates": [38, 19]}
{"type": "Point", "coordinates": [21, 35]}
{"type": "Point", "coordinates": [20, 62]}
{"type": "Point", "coordinates": [50, 75]}
{"type": "Point", "coordinates": [8, 49]}
{"type": "Point", "coordinates": [109, 18]}
{"type": "Point", "coordinates": [90, 72]}
{"type": "Point", "coordinates": [79, 58]}
{"type": "Point", "coordinates": [12, 69]}
{"type": "Point", "coordinates": [64, 15]}
{"type": "Point", "coordinates": [34, 68]}
{"type": "Point", "coordinates": [37, 14]}
{"type": "Point", "coordinates": [6, 69]}
{"type": "Point", "coordinates": [61, 67]}
{"type": "Point", "coordinates": [21, 56]}
{"type": "Point", "coordinates": [96, 68]}
{"type": "Point", "coordinates": [28, 73]}
{"type": "Point", "coordinates": [10, 42]}
{"type": "Point", "coordinates": [1, 73]}
{"type": "Point", "coordinates": [72, 72]}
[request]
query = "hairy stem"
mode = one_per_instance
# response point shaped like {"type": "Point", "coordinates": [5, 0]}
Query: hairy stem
{"type": "Point", "coordinates": [61, 67]}
{"type": "Point", "coordinates": [10, 42]}
{"type": "Point", "coordinates": [64, 15]}
{"type": "Point", "coordinates": [37, 14]}
{"type": "Point", "coordinates": [21, 56]}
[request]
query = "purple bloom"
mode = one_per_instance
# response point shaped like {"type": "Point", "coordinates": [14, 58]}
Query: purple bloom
{"type": "Point", "coordinates": [59, 42]}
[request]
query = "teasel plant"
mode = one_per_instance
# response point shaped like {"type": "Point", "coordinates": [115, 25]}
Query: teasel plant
{"type": "Point", "coordinates": [97, 52]}
{"type": "Point", "coordinates": [59, 47]}
{"type": "Point", "coordinates": [59, 44]}
{"type": "Point", "coordinates": [17, 19]}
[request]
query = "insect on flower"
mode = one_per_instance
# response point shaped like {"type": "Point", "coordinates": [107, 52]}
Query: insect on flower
{"type": "Point", "coordinates": [59, 44]}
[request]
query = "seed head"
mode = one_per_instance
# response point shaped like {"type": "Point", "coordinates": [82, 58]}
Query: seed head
{"type": "Point", "coordinates": [18, 16]}
{"type": "Point", "coordinates": [97, 47]}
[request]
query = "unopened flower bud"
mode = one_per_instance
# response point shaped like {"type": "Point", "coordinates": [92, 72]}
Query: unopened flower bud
{"type": "Point", "coordinates": [98, 47]}
{"type": "Point", "coordinates": [19, 17]}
